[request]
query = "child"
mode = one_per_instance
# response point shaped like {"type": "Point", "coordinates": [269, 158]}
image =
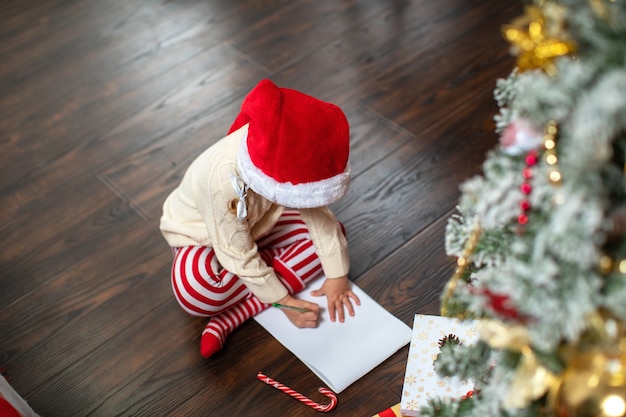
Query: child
{"type": "Point", "coordinates": [249, 225]}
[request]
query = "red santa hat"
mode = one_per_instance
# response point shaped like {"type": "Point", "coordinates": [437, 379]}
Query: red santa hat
{"type": "Point", "coordinates": [296, 150]}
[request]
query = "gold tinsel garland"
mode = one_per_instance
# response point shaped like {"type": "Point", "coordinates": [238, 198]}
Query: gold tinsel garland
{"type": "Point", "coordinates": [593, 382]}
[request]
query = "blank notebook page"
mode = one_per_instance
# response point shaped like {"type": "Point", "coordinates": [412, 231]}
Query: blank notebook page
{"type": "Point", "coordinates": [340, 353]}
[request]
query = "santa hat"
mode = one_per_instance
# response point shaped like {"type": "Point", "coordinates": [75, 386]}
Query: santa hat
{"type": "Point", "coordinates": [296, 150]}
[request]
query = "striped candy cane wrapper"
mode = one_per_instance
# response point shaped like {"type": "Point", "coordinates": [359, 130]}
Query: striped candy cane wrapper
{"type": "Point", "coordinates": [314, 405]}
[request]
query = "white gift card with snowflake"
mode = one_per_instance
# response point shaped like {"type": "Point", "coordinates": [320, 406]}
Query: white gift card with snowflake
{"type": "Point", "coordinates": [421, 382]}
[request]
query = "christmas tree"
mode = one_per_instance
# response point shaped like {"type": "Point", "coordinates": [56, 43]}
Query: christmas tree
{"type": "Point", "coordinates": [540, 236]}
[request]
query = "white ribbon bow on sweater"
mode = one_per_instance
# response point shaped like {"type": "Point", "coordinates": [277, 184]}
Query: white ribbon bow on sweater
{"type": "Point", "coordinates": [241, 189]}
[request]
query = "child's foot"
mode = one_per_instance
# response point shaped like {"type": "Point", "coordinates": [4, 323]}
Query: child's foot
{"type": "Point", "coordinates": [211, 342]}
{"type": "Point", "coordinates": [220, 326]}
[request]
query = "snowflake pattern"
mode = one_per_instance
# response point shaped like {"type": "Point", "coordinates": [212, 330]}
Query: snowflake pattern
{"type": "Point", "coordinates": [421, 381]}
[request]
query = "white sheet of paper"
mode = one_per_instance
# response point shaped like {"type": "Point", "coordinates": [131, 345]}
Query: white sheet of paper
{"type": "Point", "coordinates": [340, 353]}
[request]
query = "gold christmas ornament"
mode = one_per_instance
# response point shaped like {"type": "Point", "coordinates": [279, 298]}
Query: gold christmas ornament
{"type": "Point", "coordinates": [594, 381]}
{"type": "Point", "coordinates": [606, 264]}
{"type": "Point", "coordinates": [531, 380]}
{"type": "Point", "coordinates": [537, 42]}
{"type": "Point", "coordinates": [503, 336]}
{"type": "Point", "coordinates": [593, 385]}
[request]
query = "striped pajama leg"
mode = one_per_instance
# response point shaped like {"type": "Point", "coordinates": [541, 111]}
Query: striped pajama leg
{"type": "Point", "coordinates": [203, 288]}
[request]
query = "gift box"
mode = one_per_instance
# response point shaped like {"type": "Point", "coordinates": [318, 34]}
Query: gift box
{"type": "Point", "coordinates": [390, 412]}
{"type": "Point", "coordinates": [421, 382]}
{"type": "Point", "coordinates": [11, 404]}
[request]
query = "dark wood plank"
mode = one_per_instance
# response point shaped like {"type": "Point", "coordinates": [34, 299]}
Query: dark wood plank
{"type": "Point", "coordinates": [419, 181]}
{"type": "Point", "coordinates": [33, 253]}
{"type": "Point", "coordinates": [174, 151]}
{"type": "Point", "coordinates": [131, 121]}
{"type": "Point", "coordinates": [403, 35]}
{"type": "Point", "coordinates": [295, 31]}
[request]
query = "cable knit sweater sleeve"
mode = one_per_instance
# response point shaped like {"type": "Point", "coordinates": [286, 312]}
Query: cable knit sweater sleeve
{"type": "Point", "coordinates": [197, 213]}
{"type": "Point", "coordinates": [330, 243]}
{"type": "Point", "coordinates": [233, 243]}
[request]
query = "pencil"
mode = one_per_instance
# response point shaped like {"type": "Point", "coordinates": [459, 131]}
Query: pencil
{"type": "Point", "coordinates": [292, 308]}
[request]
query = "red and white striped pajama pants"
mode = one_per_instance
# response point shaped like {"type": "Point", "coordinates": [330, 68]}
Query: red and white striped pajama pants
{"type": "Point", "coordinates": [204, 288]}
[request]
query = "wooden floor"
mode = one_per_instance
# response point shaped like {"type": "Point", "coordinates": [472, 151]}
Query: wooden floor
{"type": "Point", "coordinates": [104, 103]}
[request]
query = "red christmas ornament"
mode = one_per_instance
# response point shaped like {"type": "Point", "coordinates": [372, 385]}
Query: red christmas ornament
{"type": "Point", "coordinates": [499, 303]}
{"type": "Point", "coordinates": [526, 188]}
{"type": "Point", "coordinates": [527, 173]}
{"type": "Point", "coordinates": [531, 158]}
{"type": "Point", "coordinates": [524, 205]}
{"type": "Point", "coordinates": [469, 394]}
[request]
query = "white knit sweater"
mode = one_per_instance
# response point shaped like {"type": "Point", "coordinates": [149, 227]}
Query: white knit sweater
{"type": "Point", "coordinates": [200, 211]}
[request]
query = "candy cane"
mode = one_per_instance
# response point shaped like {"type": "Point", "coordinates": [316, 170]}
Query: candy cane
{"type": "Point", "coordinates": [316, 406]}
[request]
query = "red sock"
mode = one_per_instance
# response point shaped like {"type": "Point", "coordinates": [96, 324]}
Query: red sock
{"type": "Point", "coordinates": [300, 257]}
{"type": "Point", "coordinates": [220, 326]}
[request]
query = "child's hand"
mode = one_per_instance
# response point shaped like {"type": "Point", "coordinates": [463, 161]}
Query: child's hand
{"type": "Point", "coordinates": [339, 295]}
{"type": "Point", "coordinates": [308, 319]}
